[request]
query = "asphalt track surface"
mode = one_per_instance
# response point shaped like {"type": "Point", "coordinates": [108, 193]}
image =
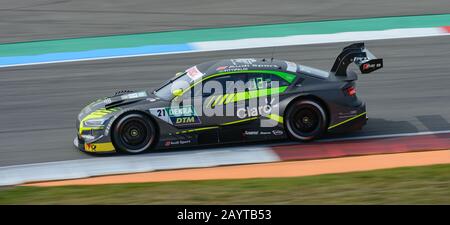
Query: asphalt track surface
{"type": "Point", "coordinates": [25, 20]}
{"type": "Point", "coordinates": [40, 103]}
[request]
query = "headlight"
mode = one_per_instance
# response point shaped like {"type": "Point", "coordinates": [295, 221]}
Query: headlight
{"type": "Point", "coordinates": [94, 122]}
{"type": "Point", "coordinates": [87, 138]}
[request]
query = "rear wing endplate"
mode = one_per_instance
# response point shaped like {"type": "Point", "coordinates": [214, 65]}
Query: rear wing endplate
{"type": "Point", "coordinates": [358, 54]}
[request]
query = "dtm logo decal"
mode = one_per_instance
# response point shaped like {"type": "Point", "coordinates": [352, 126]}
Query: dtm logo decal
{"type": "Point", "coordinates": [177, 116]}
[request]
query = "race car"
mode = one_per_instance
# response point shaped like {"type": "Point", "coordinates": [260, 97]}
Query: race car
{"type": "Point", "coordinates": [232, 100]}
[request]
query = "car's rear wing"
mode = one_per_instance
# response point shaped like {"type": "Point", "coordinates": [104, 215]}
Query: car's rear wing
{"type": "Point", "coordinates": [358, 54]}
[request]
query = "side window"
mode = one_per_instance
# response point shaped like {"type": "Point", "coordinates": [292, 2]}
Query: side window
{"type": "Point", "coordinates": [264, 81]}
{"type": "Point", "coordinates": [234, 83]}
{"type": "Point", "coordinates": [227, 84]}
{"type": "Point", "coordinates": [219, 85]}
{"type": "Point", "coordinates": [280, 81]}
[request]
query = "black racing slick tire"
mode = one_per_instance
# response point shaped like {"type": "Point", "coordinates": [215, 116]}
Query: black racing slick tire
{"type": "Point", "coordinates": [133, 133]}
{"type": "Point", "coordinates": [305, 120]}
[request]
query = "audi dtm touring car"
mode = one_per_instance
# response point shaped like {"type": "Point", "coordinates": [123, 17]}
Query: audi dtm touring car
{"type": "Point", "coordinates": [234, 100]}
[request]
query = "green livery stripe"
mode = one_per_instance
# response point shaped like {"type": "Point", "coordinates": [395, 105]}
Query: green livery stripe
{"type": "Point", "coordinates": [275, 117]}
{"type": "Point", "coordinates": [218, 98]}
{"type": "Point", "coordinates": [211, 100]}
{"type": "Point", "coordinates": [241, 96]}
{"type": "Point", "coordinates": [197, 129]}
{"type": "Point", "coordinates": [347, 120]}
{"type": "Point", "coordinates": [240, 121]}
{"type": "Point", "coordinates": [286, 76]}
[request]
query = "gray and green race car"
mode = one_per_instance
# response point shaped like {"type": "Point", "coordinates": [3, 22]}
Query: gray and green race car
{"type": "Point", "coordinates": [233, 100]}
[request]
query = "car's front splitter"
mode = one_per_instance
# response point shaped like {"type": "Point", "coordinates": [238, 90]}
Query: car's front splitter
{"type": "Point", "coordinates": [105, 147]}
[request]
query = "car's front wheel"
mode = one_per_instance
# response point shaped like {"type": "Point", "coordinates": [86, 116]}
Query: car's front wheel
{"type": "Point", "coordinates": [305, 120]}
{"type": "Point", "coordinates": [133, 133]}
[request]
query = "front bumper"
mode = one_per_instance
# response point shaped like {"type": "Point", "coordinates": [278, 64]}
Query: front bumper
{"type": "Point", "coordinates": [92, 139]}
{"type": "Point", "coordinates": [95, 147]}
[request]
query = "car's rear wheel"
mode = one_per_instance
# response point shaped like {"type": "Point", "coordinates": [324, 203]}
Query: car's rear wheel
{"type": "Point", "coordinates": [133, 133]}
{"type": "Point", "coordinates": [305, 120]}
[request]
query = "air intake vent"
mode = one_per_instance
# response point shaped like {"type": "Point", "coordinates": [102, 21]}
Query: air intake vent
{"type": "Point", "coordinates": [121, 92]}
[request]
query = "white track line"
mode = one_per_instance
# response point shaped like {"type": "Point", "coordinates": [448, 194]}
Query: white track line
{"type": "Point", "coordinates": [319, 38]}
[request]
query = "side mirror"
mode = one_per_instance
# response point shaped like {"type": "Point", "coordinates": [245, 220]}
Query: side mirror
{"type": "Point", "coordinates": [177, 92]}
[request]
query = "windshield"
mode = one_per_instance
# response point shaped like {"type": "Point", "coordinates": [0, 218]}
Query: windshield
{"type": "Point", "coordinates": [179, 82]}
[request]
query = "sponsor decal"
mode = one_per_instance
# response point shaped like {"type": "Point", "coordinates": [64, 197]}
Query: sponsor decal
{"type": "Point", "coordinates": [266, 66]}
{"type": "Point", "coordinates": [185, 120]}
{"type": "Point", "coordinates": [244, 64]}
{"type": "Point", "coordinates": [221, 68]}
{"type": "Point", "coordinates": [181, 111]}
{"type": "Point", "coordinates": [277, 132]}
{"type": "Point", "coordinates": [194, 73]}
{"type": "Point", "coordinates": [99, 147]}
{"type": "Point", "coordinates": [134, 95]}
{"type": "Point", "coordinates": [292, 67]}
{"type": "Point", "coordinates": [254, 111]}
{"type": "Point", "coordinates": [240, 67]}
{"type": "Point", "coordinates": [251, 133]}
{"type": "Point", "coordinates": [372, 65]}
{"type": "Point", "coordinates": [90, 147]}
{"type": "Point", "coordinates": [366, 66]}
{"type": "Point", "coordinates": [107, 101]}
{"type": "Point", "coordinates": [257, 132]}
{"type": "Point", "coordinates": [243, 61]}
{"type": "Point", "coordinates": [177, 116]}
{"type": "Point", "coordinates": [177, 142]}
{"type": "Point", "coordinates": [235, 68]}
